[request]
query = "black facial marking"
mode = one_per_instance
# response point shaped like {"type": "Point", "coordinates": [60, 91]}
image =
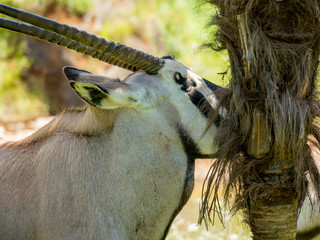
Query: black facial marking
{"type": "Point", "coordinates": [200, 101]}
{"type": "Point", "coordinates": [181, 81]}
{"type": "Point", "coordinates": [211, 85]}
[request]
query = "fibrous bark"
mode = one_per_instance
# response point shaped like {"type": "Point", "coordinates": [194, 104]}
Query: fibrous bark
{"type": "Point", "coordinates": [273, 46]}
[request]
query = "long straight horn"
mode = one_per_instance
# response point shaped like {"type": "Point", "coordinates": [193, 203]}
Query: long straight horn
{"type": "Point", "coordinates": [52, 37]}
{"type": "Point", "coordinates": [127, 55]}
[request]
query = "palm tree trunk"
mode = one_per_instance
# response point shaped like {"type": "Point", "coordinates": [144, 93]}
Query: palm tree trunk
{"type": "Point", "coordinates": [272, 200]}
{"type": "Point", "coordinates": [273, 48]}
{"type": "Point", "coordinates": [274, 219]}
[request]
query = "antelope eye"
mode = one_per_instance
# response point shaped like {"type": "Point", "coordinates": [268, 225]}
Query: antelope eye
{"type": "Point", "coordinates": [186, 83]}
{"type": "Point", "coordinates": [179, 79]}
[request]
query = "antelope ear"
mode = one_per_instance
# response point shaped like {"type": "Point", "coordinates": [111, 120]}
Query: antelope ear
{"type": "Point", "coordinates": [90, 92]}
{"type": "Point", "coordinates": [92, 88]}
{"type": "Point", "coordinates": [104, 92]}
{"type": "Point", "coordinates": [85, 85]}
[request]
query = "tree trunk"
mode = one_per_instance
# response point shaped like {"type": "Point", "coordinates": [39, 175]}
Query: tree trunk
{"type": "Point", "coordinates": [271, 220]}
{"type": "Point", "coordinates": [272, 202]}
{"type": "Point", "coordinates": [273, 48]}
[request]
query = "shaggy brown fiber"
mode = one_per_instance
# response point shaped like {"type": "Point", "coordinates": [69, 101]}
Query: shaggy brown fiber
{"type": "Point", "coordinates": [273, 46]}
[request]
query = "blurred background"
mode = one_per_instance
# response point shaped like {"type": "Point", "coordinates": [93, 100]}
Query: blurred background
{"type": "Point", "coordinates": [33, 88]}
{"type": "Point", "coordinates": [31, 79]}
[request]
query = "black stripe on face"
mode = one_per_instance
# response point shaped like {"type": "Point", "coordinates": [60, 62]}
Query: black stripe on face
{"type": "Point", "coordinates": [211, 85]}
{"type": "Point", "coordinates": [179, 79]}
{"type": "Point", "coordinates": [203, 105]}
{"type": "Point", "coordinates": [199, 101]}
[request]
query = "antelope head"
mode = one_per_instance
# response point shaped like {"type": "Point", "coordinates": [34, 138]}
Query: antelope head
{"type": "Point", "coordinates": [169, 92]}
{"type": "Point", "coordinates": [107, 93]}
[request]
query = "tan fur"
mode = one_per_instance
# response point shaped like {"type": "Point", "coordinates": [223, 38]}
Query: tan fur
{"type": "Point", "coordinates": [81, 121]}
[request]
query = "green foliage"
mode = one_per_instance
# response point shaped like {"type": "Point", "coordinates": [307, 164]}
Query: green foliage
{"type": "Point", "coordinates": [118, 29]}
{"type": "Point", "coordinates": [15, 100]}
{"type": "Point", "coordinates": [18, 101]}
{"type": "Point", "coordinates": [170, 28]}
{"type": "Point", "coordinates": [38, 6]}
{"type": "Point", "coordinates": [76, 6]}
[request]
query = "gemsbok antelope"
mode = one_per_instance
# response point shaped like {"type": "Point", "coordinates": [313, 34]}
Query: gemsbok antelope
{"type": "Point", "coordinates": [120, 168]}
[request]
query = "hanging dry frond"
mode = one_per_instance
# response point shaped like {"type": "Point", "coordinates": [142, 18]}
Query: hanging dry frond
{"type": "Point", "coordinates": [273, 48]}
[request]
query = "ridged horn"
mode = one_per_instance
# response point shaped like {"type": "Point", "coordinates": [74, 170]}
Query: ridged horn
{"type": "Point", "coordinates": [128, 56]}
{"type": "Point", "coordinates": [52, 37]}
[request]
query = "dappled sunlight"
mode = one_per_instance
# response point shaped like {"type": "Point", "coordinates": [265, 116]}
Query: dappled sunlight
{"type": "Point", "coordinates": [18, 130]}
